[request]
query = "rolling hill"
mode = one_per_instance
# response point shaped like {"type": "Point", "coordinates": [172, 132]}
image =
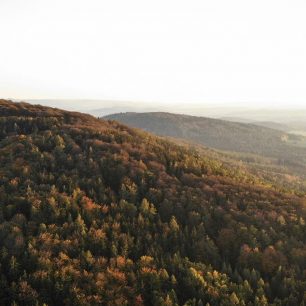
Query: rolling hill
{"type": "Point", "coordinates": [93, 212]}
{"type": "Point", "coordinates": [287, 148]}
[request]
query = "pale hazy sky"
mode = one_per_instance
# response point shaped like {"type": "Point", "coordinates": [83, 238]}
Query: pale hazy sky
{"type": "Point", "coordinates": [168, 51]}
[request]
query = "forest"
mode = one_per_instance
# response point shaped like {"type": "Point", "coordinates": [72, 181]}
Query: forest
{"type": "Point", "coordinates": [93, 212]}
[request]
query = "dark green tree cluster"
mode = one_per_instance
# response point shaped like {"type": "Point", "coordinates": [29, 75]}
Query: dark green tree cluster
{"type": "Point", "coordinates": [96, 213]}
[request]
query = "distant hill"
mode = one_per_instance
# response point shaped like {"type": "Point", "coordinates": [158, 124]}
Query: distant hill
{"type": "Point", "coordinates": [273, 125]}
{"type": "Point", "coordinates": [269, 124]}
{"type": "Point", "coordinates": [292, 127]}
{"type": "Point", "coordinates": [236, 119]}
{"type": "Point", "coordinates": [268, 114]}
{"type": "Point", "coordinates": [220, 134]}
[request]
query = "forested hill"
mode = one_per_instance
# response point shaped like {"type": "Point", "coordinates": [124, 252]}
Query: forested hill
{"type": "Point", "coordinates": [219, 134]}
{"type": "Point", "coordinates": [96, 213]}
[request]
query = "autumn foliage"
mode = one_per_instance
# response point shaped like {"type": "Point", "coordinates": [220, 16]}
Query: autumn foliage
{"type": "Point", "coordinates": [96, 213]}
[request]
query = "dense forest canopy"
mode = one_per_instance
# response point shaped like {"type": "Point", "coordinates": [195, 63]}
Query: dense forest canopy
{"type": "Point", "coordinates": [93, 212]}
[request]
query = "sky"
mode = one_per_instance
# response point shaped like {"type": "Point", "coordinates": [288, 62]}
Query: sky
{"type": "Point", "coordinates": [167, 52]}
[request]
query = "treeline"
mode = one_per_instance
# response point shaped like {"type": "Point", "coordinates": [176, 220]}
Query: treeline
{"type": "Point", "coordinates": [96, 213]}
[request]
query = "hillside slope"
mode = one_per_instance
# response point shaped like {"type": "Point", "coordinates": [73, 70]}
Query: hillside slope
{"type": "Point", "coordinates": [221, 134]}
{"type": "Point", "coordinates": [96, 213]}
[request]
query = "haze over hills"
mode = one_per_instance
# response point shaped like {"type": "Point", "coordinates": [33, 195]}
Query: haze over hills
{"type": "Point", "coordinates": [97, 213]}
{"type": "Point", "coordinates": [238, 112]}
{"type": "Point", "coordinates": [94, 107]}
{"type": "Point", "coordinates": [281, 115]}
